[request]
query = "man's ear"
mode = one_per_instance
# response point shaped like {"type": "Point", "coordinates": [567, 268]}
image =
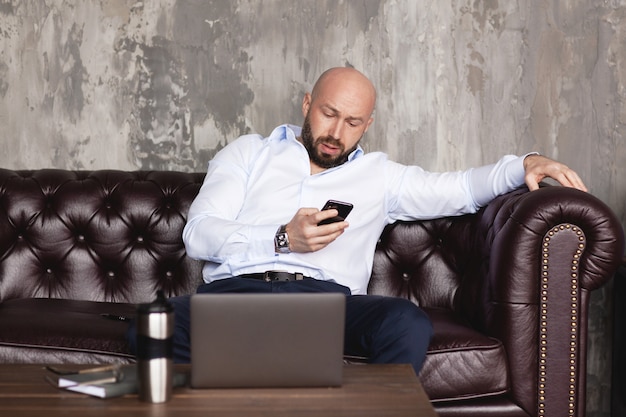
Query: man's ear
{"type": "Point", "coordinates": [306, 104]}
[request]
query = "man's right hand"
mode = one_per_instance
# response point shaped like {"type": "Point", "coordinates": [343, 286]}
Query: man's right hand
{"type": "Point", "coordinates": [306, 236]}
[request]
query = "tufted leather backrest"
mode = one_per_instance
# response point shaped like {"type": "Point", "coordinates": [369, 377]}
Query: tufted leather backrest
{"type": "Point", "coordinates": [116, 236]}
{"type": "Point", "coordinates": [422, 261]}
{"type": "Point", "coordinates": [442, 263]}
{"type": "Point", "coordinates": [102, 235]}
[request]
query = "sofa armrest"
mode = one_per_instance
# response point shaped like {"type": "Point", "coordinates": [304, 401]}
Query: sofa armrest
{"type": "Point", "coordinates": [547, 250]}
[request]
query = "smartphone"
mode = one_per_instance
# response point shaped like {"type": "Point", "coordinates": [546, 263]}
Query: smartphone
{"type": "Point", "coordinates": [343, 208]}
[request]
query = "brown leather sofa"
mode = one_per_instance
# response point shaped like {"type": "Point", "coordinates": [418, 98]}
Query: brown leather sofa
{"type": "Point", "coordinates": [507, 289]}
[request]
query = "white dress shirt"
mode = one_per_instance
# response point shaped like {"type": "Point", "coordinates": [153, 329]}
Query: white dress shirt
{"type": "Point", "coordinates": [256, 184]}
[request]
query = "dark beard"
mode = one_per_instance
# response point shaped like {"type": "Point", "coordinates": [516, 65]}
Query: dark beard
{"type": "Point", "coordinates": [323, 160]}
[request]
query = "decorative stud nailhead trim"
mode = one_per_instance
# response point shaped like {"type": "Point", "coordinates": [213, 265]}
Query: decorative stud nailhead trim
{"type": "Point", "coordinates": [543, 324]}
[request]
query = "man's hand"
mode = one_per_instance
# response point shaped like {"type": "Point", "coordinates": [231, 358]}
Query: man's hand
{"type": "Point", "coordinates": [539, 167]}
{"type": "Point", "coordinates": [306, 236]}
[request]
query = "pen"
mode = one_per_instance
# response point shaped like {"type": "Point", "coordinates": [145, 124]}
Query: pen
{"type": "Point", "coordinates": [115, 317]}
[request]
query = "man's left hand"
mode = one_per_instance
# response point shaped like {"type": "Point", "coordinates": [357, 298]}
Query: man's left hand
{"type": "Point", "coordinates": [539, 167]}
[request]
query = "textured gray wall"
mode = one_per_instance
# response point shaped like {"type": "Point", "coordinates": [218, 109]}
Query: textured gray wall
{"type": "Point", "coordinates": [163, 84]}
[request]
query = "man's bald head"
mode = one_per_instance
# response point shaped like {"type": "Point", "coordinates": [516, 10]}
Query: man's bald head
{"type": "Point", "coordinates": [348, 79]}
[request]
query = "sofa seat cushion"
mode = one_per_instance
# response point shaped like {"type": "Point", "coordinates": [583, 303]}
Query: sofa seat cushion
{"type": "Point", "coordinates": [47, 328]}
{"type": "Point", "coordinates": [461, 362]}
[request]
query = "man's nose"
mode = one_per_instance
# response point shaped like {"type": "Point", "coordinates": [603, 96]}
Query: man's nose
{"type": "Point", "coordinates": [336, 130]}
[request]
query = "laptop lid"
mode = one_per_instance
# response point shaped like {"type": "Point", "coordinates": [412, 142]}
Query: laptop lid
{"type": "Point", "coordinates": [267, 340]}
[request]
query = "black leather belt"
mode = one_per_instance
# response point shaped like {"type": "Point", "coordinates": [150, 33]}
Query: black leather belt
{"type": "Point", "coordinates": [268, 276]}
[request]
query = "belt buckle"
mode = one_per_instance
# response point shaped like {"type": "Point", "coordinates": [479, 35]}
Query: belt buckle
{"type": "Point", "coordinates": [268, 275]}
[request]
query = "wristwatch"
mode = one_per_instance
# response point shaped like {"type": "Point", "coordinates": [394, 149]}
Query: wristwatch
{"type": "Point", "coordinates": [281, 240]}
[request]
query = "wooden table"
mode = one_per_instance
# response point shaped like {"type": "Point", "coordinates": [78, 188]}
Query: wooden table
{"type": "Point", "coordinates": [368, 390]}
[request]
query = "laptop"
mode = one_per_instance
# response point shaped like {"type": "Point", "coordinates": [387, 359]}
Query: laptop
{"type": "Point", "coordinates": [267, 340]}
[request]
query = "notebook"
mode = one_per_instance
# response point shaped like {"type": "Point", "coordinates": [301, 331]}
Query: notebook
{"type": "Point", "coordinates": [267, 340]}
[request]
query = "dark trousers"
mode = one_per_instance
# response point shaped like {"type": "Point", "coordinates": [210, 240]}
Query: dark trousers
{"type": "Point", "coordinates": [382, 329]}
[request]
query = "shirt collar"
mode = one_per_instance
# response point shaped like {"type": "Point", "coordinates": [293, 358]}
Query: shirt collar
{"type": "Point", "coordinates": [291, 132]}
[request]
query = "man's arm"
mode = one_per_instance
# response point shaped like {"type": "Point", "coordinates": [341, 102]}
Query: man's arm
{"type": "Point", "coordinates": [212, 231]}
{"type": "Point", "coordinates": [510, 172]}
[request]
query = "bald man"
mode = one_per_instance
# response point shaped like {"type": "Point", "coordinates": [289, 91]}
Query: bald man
{"type": "Point", "coordinates": [258, 212]}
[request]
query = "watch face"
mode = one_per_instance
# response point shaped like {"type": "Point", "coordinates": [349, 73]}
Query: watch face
{"type": "Point", "coordinates": [281, 241]}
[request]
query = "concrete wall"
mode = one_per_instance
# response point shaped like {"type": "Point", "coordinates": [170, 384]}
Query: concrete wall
{"type": "Point", "coordinates": [163, 84]}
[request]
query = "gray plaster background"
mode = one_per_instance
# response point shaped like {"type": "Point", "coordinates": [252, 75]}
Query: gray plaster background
{"type": "Point", "coordinates": [164, 84]}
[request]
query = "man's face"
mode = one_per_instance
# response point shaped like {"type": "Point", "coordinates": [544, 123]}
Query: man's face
{"type": "Point", "coordinates": [325, 151]}
{"type": "Point", "coordinates": [336, 115]}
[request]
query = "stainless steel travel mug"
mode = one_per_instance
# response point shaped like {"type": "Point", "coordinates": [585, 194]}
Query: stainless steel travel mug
{"type": "Point", "coordinates": [155, 367]}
